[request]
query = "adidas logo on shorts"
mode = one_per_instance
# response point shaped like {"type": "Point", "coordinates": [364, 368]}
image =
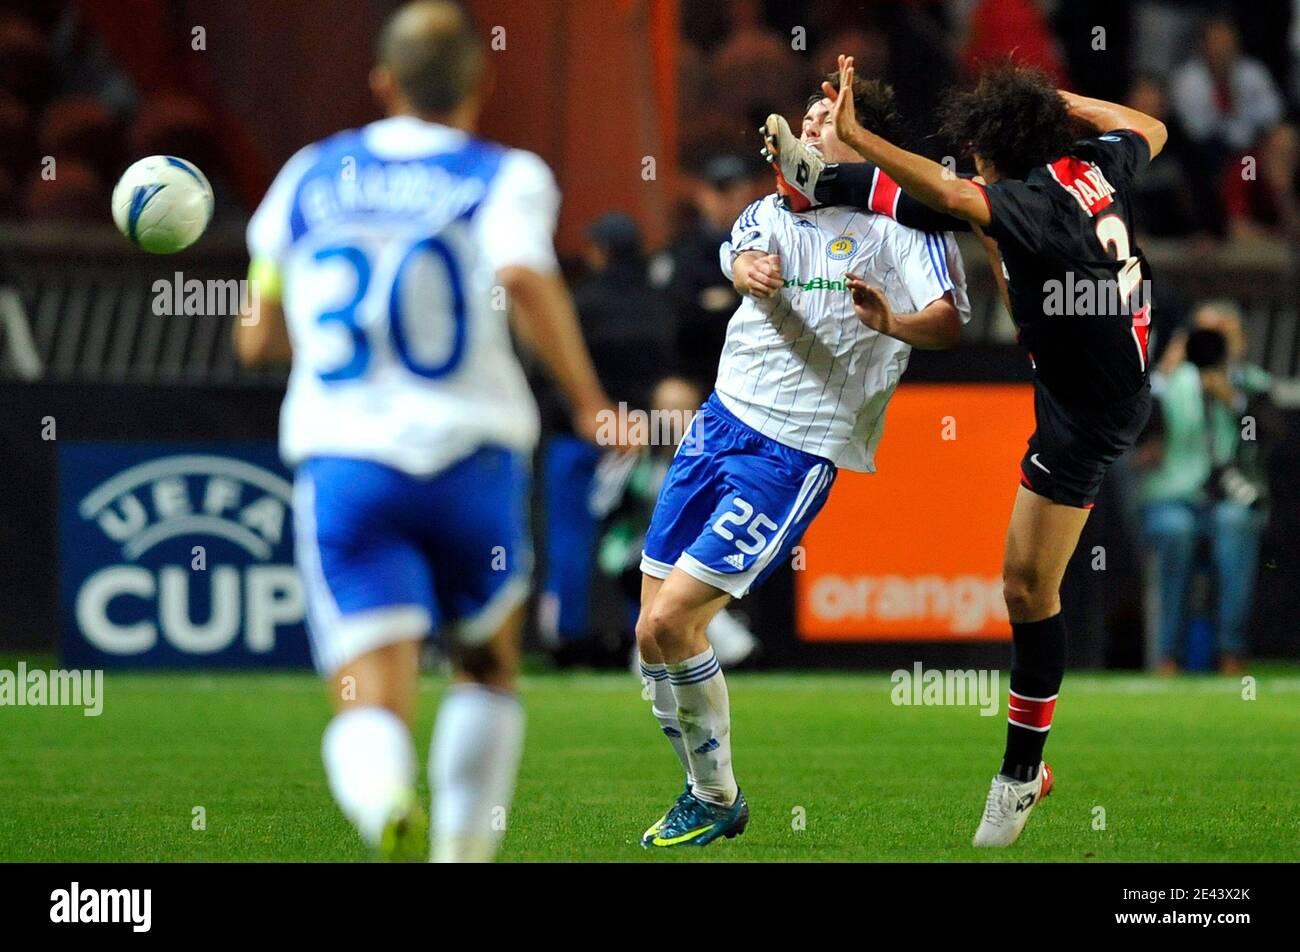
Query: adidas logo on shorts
{"type": "Point", "coordinates": [735, 560]}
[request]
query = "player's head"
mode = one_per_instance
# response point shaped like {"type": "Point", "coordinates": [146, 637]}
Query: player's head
{"type": "Point", "coordinates": [1011, 121]}
{"type": "Point", "coordinates": [873, 101]}
{"type": "Point", "coordinates": [429, 62]}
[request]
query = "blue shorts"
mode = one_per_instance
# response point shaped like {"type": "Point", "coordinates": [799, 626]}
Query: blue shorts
{"type": "Point", "coordinates": [734, 503]}
{"type": "Point", "coordinates": [388, 557]}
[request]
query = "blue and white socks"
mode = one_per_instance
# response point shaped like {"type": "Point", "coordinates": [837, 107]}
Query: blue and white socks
{"type": "Point", "coordinates": [664, 707]}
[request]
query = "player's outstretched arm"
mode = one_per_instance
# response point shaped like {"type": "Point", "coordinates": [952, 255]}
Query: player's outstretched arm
{"type": "Point", "coordinates": [1109, 116]}
{"type": "Point", "coordinates": [922, 178]}
{"type": "Point", "coordinates": [937, 326]}
{"type": "Point", "coordinates": [545, 320]}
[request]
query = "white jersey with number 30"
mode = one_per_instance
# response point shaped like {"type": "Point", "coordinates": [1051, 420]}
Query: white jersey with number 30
{"type": "Point", "coordinates": [388, 240]}
{"type": "Point", "coordinates": [800, 367]}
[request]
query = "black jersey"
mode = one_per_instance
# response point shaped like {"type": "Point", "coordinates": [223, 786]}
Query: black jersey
{"type": "Point", "coordinates": [1076, 278]}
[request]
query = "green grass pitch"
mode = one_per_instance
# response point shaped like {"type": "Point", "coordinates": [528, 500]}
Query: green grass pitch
{"type": "Point", "coordinates": [1148, 770]}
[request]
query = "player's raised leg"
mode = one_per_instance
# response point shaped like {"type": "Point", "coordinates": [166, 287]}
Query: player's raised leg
{"type": "Point", "coordinates": [477, 743]}
{"type": "Point", "coordinates": [672, 627]}
{"type": "Point", "coordinates": [1040, 540]}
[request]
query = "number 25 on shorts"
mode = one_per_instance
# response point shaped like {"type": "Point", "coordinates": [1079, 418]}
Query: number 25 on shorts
{"type": "Point", "coordinates": [756, 527]}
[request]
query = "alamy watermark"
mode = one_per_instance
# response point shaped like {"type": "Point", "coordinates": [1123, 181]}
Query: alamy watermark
{"type": "Point", "coordinates": [179, 296]}
{"type": "Point", "coordinates": [1097, 297]}
{"type": "Point", "coordinates": [947, 688]}
{"type": "Point", "coordinates": [627, 426]}
{"type": "Point", "coordinates": [54, 688]}
{"type": "Point", "coordinates": [78, 904]}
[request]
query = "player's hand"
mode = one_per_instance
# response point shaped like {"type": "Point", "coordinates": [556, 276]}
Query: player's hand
{"type": "Point", "coordinates": [843, 112]}
{"type": "Point", "coordinates": [600, 423]}
{"type": "Point", "coordinates": [870, 305]}
{"type": "Point", "coordinates": [763, 279]}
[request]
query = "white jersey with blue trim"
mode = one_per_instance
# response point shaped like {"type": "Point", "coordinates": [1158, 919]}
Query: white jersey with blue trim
{"type": "Point", "coordinates": [800, 367]}
{"type": "Point", "coordinates": [388, 241]}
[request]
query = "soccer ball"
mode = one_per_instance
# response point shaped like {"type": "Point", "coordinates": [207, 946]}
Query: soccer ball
{"type": "Point", "coordinates": [162, 204]}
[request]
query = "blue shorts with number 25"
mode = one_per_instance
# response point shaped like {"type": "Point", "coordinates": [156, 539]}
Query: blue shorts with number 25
{"type": "Point", "coordinates": [734, 503]}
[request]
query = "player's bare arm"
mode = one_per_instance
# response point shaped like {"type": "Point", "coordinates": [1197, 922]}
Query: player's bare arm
{"type": "Point", "coordinates": [545, 320]}
{"type": "Point", "coordinates": [922, 178]}
{"type": "Point", "coordinates": [261, 337]}
{"type": "Point", "coordinates": [757, 274]}
{"type": "Point", "coordinates": [937, 326]}
{"type": "Point", "coordinates": [1106, 116]}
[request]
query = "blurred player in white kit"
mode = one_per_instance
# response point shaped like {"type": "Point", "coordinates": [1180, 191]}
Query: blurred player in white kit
{"type": "Point", "coordinates": [376, 255]}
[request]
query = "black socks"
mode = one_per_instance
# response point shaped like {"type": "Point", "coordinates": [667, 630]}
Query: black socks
{"type": "Point", "coordinates": [1038, 663]}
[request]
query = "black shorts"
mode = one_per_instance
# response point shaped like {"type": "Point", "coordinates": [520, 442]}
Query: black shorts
{"type": "Point", "coordinates": [1073, 445]}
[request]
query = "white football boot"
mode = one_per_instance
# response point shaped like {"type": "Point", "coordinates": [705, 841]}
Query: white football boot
{"type": "Point", "coordinates": [797, 166]}
{"type": "Point", "coordinates": [1007, 808]}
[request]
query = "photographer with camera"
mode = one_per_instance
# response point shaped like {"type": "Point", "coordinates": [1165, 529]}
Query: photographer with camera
{"type": "Point", "coordinates": [1203, 462]}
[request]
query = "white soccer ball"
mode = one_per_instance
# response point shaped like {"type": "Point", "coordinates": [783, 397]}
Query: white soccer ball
{"type": "Point", "coordinates": [162, 204]}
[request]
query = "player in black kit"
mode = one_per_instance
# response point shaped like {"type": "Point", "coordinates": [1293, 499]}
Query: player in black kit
{"type": "Point", "coordinates": [1056, 219]}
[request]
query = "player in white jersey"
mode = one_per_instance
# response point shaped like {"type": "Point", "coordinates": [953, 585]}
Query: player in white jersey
{"type": "Point", "coordinates": [834, 300]}
{"type": "Point", "coordinates": [378, 255]}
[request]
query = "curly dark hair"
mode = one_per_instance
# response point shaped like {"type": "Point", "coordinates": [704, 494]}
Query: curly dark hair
{"type": "Point", "coordinates": [874, 103]}
{"type": "Point", "coordinates": [1013, 117]}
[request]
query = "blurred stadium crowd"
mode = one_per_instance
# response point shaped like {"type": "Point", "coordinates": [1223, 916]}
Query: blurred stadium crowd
{"type": "Point", "coordinates": [1225, 78]}
{"type": "Point", "coordinates": [63, 96]}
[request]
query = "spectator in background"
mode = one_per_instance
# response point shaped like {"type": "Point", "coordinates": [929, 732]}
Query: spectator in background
{"type": "Point", "coordinates": [1163, 193]}
{"type": "Point", "coordinates": [1016, 29]}
{"type": "Point", "coordinates": [888, 41]}
{"type": "Point", "coordinates": [1204, 479]}
{"type": "Point", "coordinates": [25, 68]}
{"type": "Point", "coordinates": [79, 126]}
{"type": "Point", "coordinates": [1164, 30]}
{"type": "Point", "coordinates": [628, 328]}
{"type": "Point", "coordinates": [1224, 100]}
{"type": "Point", "coordinates": [1265, 204]}
{"type": "Point", "coordinates": [1293, 45]}
{"type": "Point", "coordinates": [628, 324]}
{"type": "Point", "coordinates": [1097, 42]}
{"type": "Point", "coordinates": [76, 193]}
{"type": "Point", "coordinates": [702, 296]}
{"type": "Point", "coordinates": [768, 70]}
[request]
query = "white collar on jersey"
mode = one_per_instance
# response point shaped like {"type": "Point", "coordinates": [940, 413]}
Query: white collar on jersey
{"type": "Point", "coordinates": [398, 136]}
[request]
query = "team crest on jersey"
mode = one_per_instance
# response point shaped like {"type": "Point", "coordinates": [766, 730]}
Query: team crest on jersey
{"type": "Point", "coordinates": [838, 249]}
